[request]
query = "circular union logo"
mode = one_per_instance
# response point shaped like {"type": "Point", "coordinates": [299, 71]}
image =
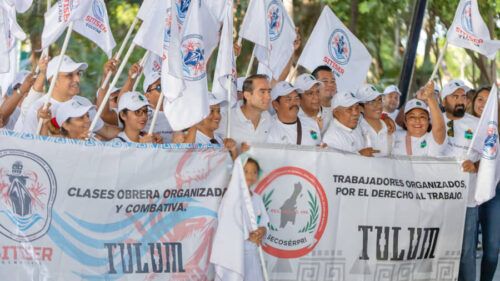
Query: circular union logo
{"type": "Point", "coordinates": [193, 54]}
{"type": "Point", "coordinates": [182, 8]}
{"type": "Point", "coordinates": [98, 10]}
{"type": "Point", "coordinates": [490, 149]}
{"type": "Point", "coordinates": [27, 194]}
{"type": "Point", "coordinates": [339, 47]}
{"type": "Point", "coordinates": [467, 17]}
{"type": "Point", "coordinates": [298, 211]}
{"type": "Point", "coordinates": [275, 19]}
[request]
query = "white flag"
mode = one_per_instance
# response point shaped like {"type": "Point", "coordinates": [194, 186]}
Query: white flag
{"type": "Point", "coordinates": [59, 16]}
{"type": "Point", "coordinates": [255, 28]}
{"type": "Point", "coordinates": [236, 219]}
{"type": "Point", "coordinates": [20, 5]}
{"type": "Point", "coordinates": [200, 36]}
{"type": "Point", "coordinates": [332, 43]}
{"type": "Point", "coordinates": [150, 35]}
{"type": "Point", "coordinates": [469, 31]}
{"type": "Point", "coordinates": [225, 69]}
{"type": "Point", "coordinates": [486, 143]}
{"type": "Point", "coordinates": [281, 32]}
{"type": "Point", "coordinates": [146, 9]}
{"type": "Point", "coordinates": [95, 26]}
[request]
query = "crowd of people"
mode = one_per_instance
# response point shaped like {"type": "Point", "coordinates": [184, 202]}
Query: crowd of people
{"type": "Point", "coordinates": [310, 112]}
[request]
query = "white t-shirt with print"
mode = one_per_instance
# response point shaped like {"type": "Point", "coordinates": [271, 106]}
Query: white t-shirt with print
{"type": "Point", "coordinates": [281, 133]}
{"type": "Point", "coordinates": [343, 138]}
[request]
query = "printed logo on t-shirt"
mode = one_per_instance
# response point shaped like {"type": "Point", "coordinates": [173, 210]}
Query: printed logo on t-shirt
{"type": "Point", "coordinates": [468, 134]}
{"type": "Point", "coordinates": [314, 135]}
{"type": "Point", "coordinates": [423, 144]}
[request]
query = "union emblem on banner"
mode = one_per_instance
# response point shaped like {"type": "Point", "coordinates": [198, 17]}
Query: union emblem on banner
{"type": "Point", "coordinates": [27, 193]}
{"type": "Point", "coordinates": [297, 221]}
{"type": "Point", "coordinates": [193, 54]}
{"type": "Point", "coordinates": [340, 47]}
{"type": "Point", "coordinates": [275, 20]}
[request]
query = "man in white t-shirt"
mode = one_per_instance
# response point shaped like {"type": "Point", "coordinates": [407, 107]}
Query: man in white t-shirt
{"type": "Point", "coordinates": [460, 132]}
{"type": "Point", "coordinates": [310, 101]}
{"type": "Point", "coordinates": [67, 88]}
{"type": "Point", "coordinates": [390, 101]}
{"type": "Point", "coordinates": [344, 132]}
{"type": "Point", "coordinates": [288, 127]}
{"type": "Point", "coordinates": [324, 74]}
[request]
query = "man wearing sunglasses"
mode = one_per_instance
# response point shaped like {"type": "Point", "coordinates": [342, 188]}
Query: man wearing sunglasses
{"type": "Point", "coordinates": [460, 127]}
{"type": "Point", "coordinates": [67, 88]}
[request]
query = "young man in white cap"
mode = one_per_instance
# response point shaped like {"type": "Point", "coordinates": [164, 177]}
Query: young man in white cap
{"type": "Point", "coordinates": [344, 132]}
{"type": "Point", "coordinates": [309, 90]}
{"type": "Point", "coordinates": [324, 74]}
{"type": "Point", "coordinates": [460, 132]}
{"type": "Point", "coordinates": [288, 127]}
{"type": "Point", "coordinates": [133, 109]}
{"type": "Point", "coordinates": [67, 88]}
{"type": "Point", "coordinates": [391, 99]}
{"type": "Point", "coordinates": [251, 122]}
{"type": "Point", "coordinates": [374, 129]}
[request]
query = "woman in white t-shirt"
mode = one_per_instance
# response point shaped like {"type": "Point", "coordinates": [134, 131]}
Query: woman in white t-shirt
{"type": "Point", "coordinates": [420, 138]}
{"type": "Point", "coordinates": [374, 129]}
{"type": "Point", "coordinates": [133, 109]}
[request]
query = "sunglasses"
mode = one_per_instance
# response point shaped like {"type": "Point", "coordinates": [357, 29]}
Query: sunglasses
{"type": "Point", "coordinates": [157, 88]}
{"type": "Point", "coordinates": [450, 132]}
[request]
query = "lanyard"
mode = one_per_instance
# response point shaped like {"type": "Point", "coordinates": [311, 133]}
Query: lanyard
{"type": "Point", "coordinates": [299, 131]}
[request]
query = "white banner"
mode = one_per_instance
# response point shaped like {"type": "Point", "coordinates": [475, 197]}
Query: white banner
{"type": "Point", "coordinates": [93, 211]}
{"type": "Point", "coordinates": [336, 216]}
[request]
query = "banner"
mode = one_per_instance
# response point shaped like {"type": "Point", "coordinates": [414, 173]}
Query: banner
{"type": "Point", "coordinates": [337, 216]}
{"type": "Point", "coordinates": [333, 44]}
{"type": "Point", "coordinates": [73, 210]}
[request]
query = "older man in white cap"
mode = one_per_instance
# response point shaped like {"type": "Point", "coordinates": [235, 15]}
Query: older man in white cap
{"type": "Point", "coordinates": [344, 132]}
{"type": "Point", "coordinates": [460, 132]}
{"type": "Point", "coordinates": [67, 88]}
{"type": "Point", "coordinates": [391, 99]}
{"type": "Point", "coordinates": [288, 127]}
{"type": "Point", "coordinates": [310, 101]}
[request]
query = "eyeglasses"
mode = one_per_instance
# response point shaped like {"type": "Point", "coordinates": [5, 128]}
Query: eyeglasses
{"type": "Point", "coordinates": [157, 88]}
{"type": "Point", "coordinates": [450, 132]}
{"type": "Point", "coordinates": [140, 112]}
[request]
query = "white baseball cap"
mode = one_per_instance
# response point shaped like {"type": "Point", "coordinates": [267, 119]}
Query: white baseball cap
{"type": "Point", "coordinates": [452, 86]}
{"type": "Point", "coordinates": [132, 101]}
{"type": "Point", "coordinates": [415, 103]}
{"type": "Point", "coordinates": [392, 89]}
{"type": "Point", "coordinates": [367, 93]}
{"type": "Point", "coordinates": [67, 66]}
{"type": "Point", "coordinates": [282, 88]}
{"type": "Point", "coordinates": [344, 99]}
{"type": "Point", "coordinates": [239, 83]}
{"type": "Point", "coordinates": [213, 100]}
{"type": "Point", "coordinates": [70, 109]}
{"type": "Point", "coordinates": [305, 82]}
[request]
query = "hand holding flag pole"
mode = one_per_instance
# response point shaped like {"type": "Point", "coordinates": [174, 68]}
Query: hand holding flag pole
{"type": "Point", "coordinates": [141, 63]}
{"type": "Point", "coordinates": [54, 79]}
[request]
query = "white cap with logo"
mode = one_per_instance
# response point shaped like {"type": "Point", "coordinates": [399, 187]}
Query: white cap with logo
{"type": "Point", "coordinates": [67, 66]}
{"type": "Point", "coordinates": [132, 101]}
{"type": "Point", "coordinates": [452, 86]}
{"type": "Point", "coordinates": [344, 99]}
{"type": "Point", "coordinates": [71, 109]}
{"type": "Point", "coordinates": [305, 82]}
{"type": "Point", "coordinates": [367, 93]}
{"type": "Point", "coordinates": [392, 89]}
{"type": "Point", "coordinates": [415, 103]}
{"type": "Point", "coordinates": [282, 88]}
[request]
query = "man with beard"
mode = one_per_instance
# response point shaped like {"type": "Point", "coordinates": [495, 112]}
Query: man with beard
{"type": "Point", "coordinates": [344, 132]}
{"type": "Point", "coordinates": [287, 127]}
{"type": "Point", "coordinates": [460, 129]}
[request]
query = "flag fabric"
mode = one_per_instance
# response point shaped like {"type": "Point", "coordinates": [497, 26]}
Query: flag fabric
{"type": "Point", "coordinates": [469, 31]}
{"type": "Point", "coordinates": [225, 68]}
{"type": "Point", "coordinates": [236, 219]}
{"type": "Point", "coordinates": [255, 28]}
{"type": "Point", "coordinates": [59, 16]}
{"type": "Point", "coordinates": [20, 5]}
{"type": "Point", "coordinates": [151, 35]}
{"type": "Point", "coordinates": [10, 33]}
{"type": "Point", "coordinates": [333, 44]}
{"type": "Point", "coordinates": [199, 39]}
{"type": "Point", "coordinates": [486, 143]}
{"type": "Point", "coordinates": [95, 26]}
{"type": "Point", "coordinates": [281, 33]}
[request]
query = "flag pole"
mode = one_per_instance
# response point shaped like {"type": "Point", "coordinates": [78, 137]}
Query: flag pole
{"type": "Point", "coordinates": [229, 87]}
{"type": "Point", "coordinates": [56, 74]}
{"type": "Point", "coordinates": [143, 61]}
{"type": "Point", "coordinates": [249, 68]}
{"type": "Point", "coordinates": [155, 115]}
{"type": "Point", "coordinates": [120, 51]}
{"type": "Point", "coordinates": [292, 73]}
{"type": "Point", "coordinates": [113, 83]}
{"type": "Point", "coordinates": [263, 264]}
{"type": "Point", "coordinates": [440, 59]}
